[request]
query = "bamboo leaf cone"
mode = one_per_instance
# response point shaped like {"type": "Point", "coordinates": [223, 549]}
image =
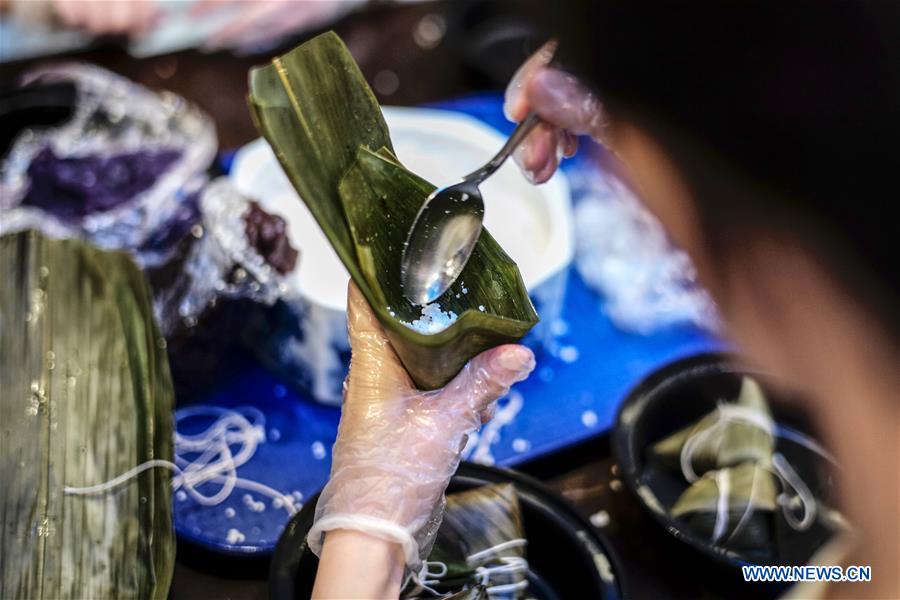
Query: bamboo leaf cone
{"type": "Point", "coordinates": [324, 124]}
{"type": "Point", "coordinates": [734, 443]}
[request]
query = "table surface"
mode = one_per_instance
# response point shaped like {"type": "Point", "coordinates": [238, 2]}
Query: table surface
{"type": "Point", "coordinates": [381, 39]}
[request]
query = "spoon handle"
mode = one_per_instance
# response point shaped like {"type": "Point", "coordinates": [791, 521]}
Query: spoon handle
{"type": "Point", "coordinates": [518, 135]}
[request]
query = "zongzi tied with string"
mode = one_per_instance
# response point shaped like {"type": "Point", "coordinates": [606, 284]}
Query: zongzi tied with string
{"type": "Point", "coordinates": [731, 507]}
{"type": "Point", "coordinates": [480, 542]}
{"type": "Point", "coordinates": [85, 396]}
{"type": "Point", "coordinates": [743, 495]}
{"type": "Point", "coordinates": [317, 112]}
{"type": "Point", "coordinates": [735, 432]}
{"type": "Point", "coordinates": [476, 593]}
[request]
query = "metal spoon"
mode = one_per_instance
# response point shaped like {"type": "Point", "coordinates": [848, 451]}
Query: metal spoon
{"type": "Point", "coordinates": [447, 227]}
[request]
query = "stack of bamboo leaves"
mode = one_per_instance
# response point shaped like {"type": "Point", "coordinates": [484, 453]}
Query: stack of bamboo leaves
{"type": "Point", "coordinates": [85, 396]}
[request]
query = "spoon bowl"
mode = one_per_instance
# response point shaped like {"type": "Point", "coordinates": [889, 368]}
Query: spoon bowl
{"type": "Point", "coordinates": [448, 226]}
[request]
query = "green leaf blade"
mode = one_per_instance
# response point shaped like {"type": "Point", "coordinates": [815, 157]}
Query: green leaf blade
{"type": "Point", "coordinates": [336, 151]}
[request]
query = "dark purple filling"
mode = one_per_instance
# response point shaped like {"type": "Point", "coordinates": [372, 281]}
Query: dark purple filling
{"type": "Point", "coordinates": [267, 234]}
{"type": "Point", "coordinates": [71, 188]}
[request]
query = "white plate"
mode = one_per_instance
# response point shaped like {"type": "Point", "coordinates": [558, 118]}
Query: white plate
{"type": "Point", "coordinates": [532, 223]}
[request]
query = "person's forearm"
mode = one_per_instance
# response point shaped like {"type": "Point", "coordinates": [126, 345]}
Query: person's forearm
{"type": "Point", "coordinates": [356, 565]}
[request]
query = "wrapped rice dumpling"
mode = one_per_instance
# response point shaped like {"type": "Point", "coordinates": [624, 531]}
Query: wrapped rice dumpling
{"type": "Point", "coordinates": [85, 396]}
{"type": "Point", "coordinates": [481, 541]}
{"type": "Point", "coordinates": [733, 433]}
{"type": "Point", "coordinates": [732, 507]}
{"type": "Point", "coordinates": [743, 493]}
{"type": "Point", "coordinates": [324, 124]}
{"type": "Point", "coordinates": [475, 593]}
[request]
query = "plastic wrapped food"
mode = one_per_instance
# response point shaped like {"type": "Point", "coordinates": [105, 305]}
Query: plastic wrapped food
{"type": "Point", "coordinates": [72, 188]}
{"type": "Point", "coordinates": [117, 173]}
{"type": "Point", "coordinates": [333, 144]}
{"type": "Point", "coordinates": [85, 396]}
{"type": "Point", "coordinates": [221, 287]}
{"type": "Point", "coordinates": [236, 250]}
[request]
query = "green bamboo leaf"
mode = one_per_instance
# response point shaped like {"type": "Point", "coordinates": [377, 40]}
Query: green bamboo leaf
{"type": "Point", "coordinates": [724, 441]}
{"type": "Point", "coordinates": [85, 396]}
{"type": "Point", "coordinates": [476, 593]}
{"type": "Point", "coordinates": [324, 124]}
{"type": "Point", "coordinates": [747, 483]}
{"type": "Point", "coordinates": [732, 507]}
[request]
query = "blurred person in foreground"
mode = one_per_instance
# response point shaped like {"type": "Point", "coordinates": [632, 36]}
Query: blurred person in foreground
{"type": "Point", "coordinates": [762, 135]}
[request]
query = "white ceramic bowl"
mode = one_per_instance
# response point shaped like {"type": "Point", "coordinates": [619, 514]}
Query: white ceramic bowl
{"type": "Point", "coordinates": [532, 223]}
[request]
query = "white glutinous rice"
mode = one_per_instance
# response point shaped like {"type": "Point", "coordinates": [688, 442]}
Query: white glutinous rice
{"type": "Point", "coordinates": [318, 450]}
{"type": "Point", "coordinates": [254, 505]}
{"type": "Point", "coordinates": [432, 320]}
{"type": "Point", "coordinates": [589, 418]}
{"type": "Point", "coordinates": [235, 537]}
{"type": "Point", "coordinates": [568, 354]}
{"type": "Point", "coordinates": [521, 445]}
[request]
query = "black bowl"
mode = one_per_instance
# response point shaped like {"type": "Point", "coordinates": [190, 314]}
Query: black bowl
{"type": "Point", "coordinates": [680, 394]}
{"type": "Point", "coordinates": [569, 559]}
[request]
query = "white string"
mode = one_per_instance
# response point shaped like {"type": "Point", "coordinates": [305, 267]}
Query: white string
{"type": "Point", "coordinates": [508, 565]}
{"type": "Point", "coordinates": [724, 486]}
{"type": "Point", "coordinates": [507, 587]}
{"type": "Point", "coordinates": [215, 462]}
{"type": "Point", "coordinates": [481, 554]}
{"type": "Point", "coordinates": [117, 481]}
{"type": "Point", "coordinates": [428, 576]}
{"type": "Point", "coordinates": [790, 479]}
{"type": "Point", "coordinates": [748, 510]}
{"type": "Point", "coordinates": [725, 414]}
{"type": "Point", "coordinates": [422, 581]}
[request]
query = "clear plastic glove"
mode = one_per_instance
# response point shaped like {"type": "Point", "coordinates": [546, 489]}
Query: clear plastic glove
{"type": "Point", "coordinates": [568, 108]}
{"type": "Point", "coordinates": [397, 447]}
{"type": "Point", "coordinates": [254, 24]}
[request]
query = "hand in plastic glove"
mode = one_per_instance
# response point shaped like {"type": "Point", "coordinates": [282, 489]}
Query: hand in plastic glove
{"type": "Point", "coordinates": [262, 23]}
{"type": "Point", "coordinates": [567, 107]}
{"type": "Point", "coordinates": [397, 447]}
{"type": "Point", "coordinates": [122, 17]}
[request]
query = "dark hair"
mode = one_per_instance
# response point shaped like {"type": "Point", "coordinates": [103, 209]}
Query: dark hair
{"type": "Point", "coordinates": [780, 114]}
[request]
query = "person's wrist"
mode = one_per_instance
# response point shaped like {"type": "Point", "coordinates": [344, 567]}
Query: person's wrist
{"type": "Point", "coordinates": [381, 501]}
{"type": "Point", "coordinates": [355, 564]}
{"type": "Point", "coordinates": [386, 551]}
